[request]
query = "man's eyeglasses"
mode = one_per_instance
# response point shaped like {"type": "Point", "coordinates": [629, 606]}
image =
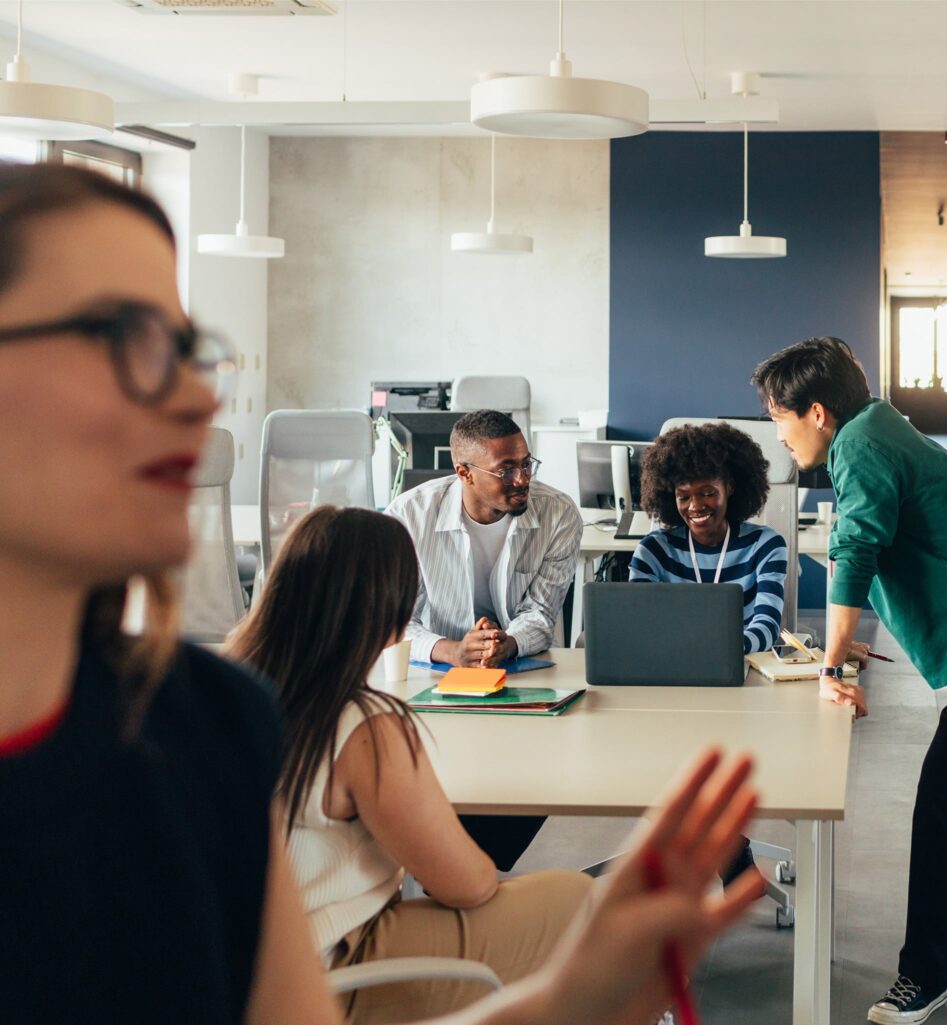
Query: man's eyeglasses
{"type": "Point", "coordinates": [527, 470]}
{"type": "Point", "coordinates": [145, 349]}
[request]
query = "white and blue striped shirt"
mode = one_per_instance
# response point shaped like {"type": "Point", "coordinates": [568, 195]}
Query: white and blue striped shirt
{"type": "Point", "coordinates": [755, 559]}
{"type": "Point", "coordinates": [529, 580]}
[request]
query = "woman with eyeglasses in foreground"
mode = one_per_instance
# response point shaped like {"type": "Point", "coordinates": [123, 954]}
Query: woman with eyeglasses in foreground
{"type": "Point", "coordinates": [142, 874]}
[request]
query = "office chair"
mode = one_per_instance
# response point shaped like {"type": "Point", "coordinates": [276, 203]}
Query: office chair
{"type": "Point", "coordinates": [781, 512]}
{"type": "Point", "coordinates": [311, 457]}
{"type": "Point", "coordinates": [212, 598]}
{"type": "Point", "coordinates": [504, 393]}
{"type": "Point", "coordinates": [411, 969]}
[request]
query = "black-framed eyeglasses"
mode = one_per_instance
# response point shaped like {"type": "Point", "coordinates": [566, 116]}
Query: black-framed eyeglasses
{"type": "Point", "coordinates": [527, 470]}
{"type": "Point", "coordinates": [145, 349]}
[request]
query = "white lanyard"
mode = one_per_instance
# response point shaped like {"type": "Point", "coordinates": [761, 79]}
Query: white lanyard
{"type": "Point", "coordinates": [723, 552]}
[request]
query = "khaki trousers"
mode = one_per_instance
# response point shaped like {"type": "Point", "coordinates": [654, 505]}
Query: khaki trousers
{"type": "Point", "coordinates": [513, 933]}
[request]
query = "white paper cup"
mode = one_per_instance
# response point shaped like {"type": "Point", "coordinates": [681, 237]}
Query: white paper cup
{"type": "Point", "coordinates": [825, 512]}
{"type": "Point", "coordinates": [396, 660]}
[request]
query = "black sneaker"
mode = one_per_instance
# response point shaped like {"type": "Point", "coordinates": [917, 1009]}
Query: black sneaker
{"type": "Point", "coordinates": [905, 1004]}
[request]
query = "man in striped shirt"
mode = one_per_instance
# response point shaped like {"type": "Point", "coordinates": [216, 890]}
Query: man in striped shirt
{"type": "Point", "coordinates": [703, 483]}
{"type": "Point", "coordinates": [497, 549]}
{"type": "Point", "coordinates": [496, 553]}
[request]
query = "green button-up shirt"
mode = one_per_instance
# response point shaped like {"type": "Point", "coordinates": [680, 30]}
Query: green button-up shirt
{"type": "Point", "coordinates": [889, 543]}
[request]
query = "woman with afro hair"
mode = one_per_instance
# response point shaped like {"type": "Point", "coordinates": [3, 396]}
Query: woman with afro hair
{"type": "Point", "coordinates": [703, 484]}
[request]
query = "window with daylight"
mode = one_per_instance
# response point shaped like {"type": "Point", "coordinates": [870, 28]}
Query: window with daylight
{"type": "Point", "coordinates": [919, 361]}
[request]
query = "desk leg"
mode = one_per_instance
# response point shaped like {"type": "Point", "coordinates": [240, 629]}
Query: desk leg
{"type": "Point", "coordinates": [583, 572]}
{"type": "Point", "coordinates": [813, 941]}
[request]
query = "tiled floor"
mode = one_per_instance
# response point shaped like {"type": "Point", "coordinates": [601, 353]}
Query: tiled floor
{"type": "Point", "coordinates": [747, 978]}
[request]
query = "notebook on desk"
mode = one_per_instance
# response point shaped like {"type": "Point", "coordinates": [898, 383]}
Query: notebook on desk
{"type": "Point", "coordinates": [769, 665]}
{"type": "Point", "coordinates": [685, 635]}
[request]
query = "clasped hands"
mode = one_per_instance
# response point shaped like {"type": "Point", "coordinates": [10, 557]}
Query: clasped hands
{"type": "Point", "coordinates": [486, 646]}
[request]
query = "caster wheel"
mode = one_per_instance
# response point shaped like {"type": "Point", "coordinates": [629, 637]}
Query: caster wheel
{"type": "Point", "coordinates": [785, 919]}
{"type": "Point", "coordinates": [785, 872]}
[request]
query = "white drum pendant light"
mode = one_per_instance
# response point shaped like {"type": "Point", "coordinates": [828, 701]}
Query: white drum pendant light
{"type": "Point", "coordinates": [34, 110]}
{"type": "Point", "coordinates": [241, 242]}
{"type": "Point", "coordinates": [491, 242]}
{"type": "Point", "coordinates": [559, 106]}
{"type": "Point", "coordinates": [746, 245]}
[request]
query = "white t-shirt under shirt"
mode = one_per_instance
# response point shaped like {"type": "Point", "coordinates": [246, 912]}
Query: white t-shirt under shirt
{"type": "Point", "coordinates": [486, 543]}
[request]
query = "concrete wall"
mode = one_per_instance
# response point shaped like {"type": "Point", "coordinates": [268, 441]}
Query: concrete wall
{"type": "Point", "coordinates": [369, 288]}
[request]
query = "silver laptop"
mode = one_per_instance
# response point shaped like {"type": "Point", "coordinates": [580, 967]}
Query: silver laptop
{"type": "Point", "coordinates": [684, 635]}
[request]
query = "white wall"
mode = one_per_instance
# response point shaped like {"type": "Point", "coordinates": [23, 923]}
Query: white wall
{"type": "Point", "coordinates": [228, 294]}
{"type": "Point", "coordinates": [369, 288]}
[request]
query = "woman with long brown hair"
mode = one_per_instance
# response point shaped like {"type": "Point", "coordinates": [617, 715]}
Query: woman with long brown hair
{"type": "Point", "coordinates": [141, 879]}
{"type": "Point", "coordinates": [363, 801]}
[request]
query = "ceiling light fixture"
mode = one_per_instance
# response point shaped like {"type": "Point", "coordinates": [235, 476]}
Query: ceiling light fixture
{"type": "Point", "coordinates": [491, 242]}
{"type": "Point", "coordinates": [35, 110]}
{"type": "Point", "coordinates": [558, 106]}
{"type": "Point", "coordinates": [241, 242]}
{"type": "Point", "coordinates": [746, 245]}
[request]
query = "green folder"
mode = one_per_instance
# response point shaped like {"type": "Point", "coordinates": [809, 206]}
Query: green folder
{"type": "Point", "coordinates": [510, 701]}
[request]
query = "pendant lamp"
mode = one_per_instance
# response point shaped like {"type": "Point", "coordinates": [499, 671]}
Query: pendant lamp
{"type": "Point", "coordinates": [241, 242]}
{"type": "Point", "coordinates": [746, 245]}
{"type": "Point", "coordinates": [491, 242]}
{"type": "Point", "coordinates": [558, 106]}
{"type": "Point", "coordinates": [34, 110]}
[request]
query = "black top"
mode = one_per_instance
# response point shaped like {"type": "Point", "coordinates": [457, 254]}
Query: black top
{"type": "Point", "coordinates": [132, 874]}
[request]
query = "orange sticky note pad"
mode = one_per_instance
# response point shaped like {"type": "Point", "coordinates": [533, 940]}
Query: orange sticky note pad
{"type": "Point", "coordinates": [474, 682]}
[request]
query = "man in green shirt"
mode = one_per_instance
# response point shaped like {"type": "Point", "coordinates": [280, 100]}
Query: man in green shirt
{"type": "Point", "coordinates": [889, 544]}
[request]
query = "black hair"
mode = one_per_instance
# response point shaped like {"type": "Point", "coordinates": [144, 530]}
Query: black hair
{"type": "Point", "coordinates": [692, 453]}
{"type": "Point", "coordinates": [822, 370]}
{"type": "Point", "coordinates": [479, 426]}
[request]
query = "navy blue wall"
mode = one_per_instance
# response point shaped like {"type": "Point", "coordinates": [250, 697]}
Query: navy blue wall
{"type": "Point", "coordinates": [686, 330]}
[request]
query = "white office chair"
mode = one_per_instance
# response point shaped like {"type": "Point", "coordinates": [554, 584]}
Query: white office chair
{"type": "Point", "coordinates": [507, 394]}
{"type": "Point", "coordinates": [411, 969]}
{"type": "Point", "coordinates": [310, 458]}
{"type": "Point", "coordinates": [781, 512]}
{"type": "Point", "coordinates": [212, 598]}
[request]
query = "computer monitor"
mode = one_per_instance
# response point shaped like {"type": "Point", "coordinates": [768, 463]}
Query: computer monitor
{"type": "Point", "coordinates": [408, 396]}
{"type": "Point", "coordinates": [596, 479]}
{"type": "Point", "coordinates": [426, 438]}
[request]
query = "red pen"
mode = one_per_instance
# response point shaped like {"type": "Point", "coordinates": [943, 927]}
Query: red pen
{"type": "Point", "coordinates": [673, 961]}
{"type": "Point", "coordinates": [881, 658]}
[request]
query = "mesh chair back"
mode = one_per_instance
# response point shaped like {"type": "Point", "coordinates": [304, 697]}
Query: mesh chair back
{"type": "Point", "coordinates": [507, 394]}
{"type": "Point", "coordinates": [212, 599]}
{"type": "Point", "coordinates": [311, 457]}
{"type": "Point", "coordinates": [781, 511]}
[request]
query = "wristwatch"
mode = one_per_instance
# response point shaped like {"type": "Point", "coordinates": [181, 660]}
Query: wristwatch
{"type": "Point", "coordinates": [836, 672]}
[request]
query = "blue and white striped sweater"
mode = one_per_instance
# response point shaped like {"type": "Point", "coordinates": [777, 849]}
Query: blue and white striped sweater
{"type": "Point", "coordinates": [756, 560]}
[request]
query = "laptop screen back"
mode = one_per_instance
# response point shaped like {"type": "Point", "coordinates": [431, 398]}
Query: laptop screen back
{"type": "Point", "coordinates": [687, 635]}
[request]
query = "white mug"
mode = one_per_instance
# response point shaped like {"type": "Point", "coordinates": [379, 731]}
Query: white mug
{"type": "Point", "coordinates": [825, 512]}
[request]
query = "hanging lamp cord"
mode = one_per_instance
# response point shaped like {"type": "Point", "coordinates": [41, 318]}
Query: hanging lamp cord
{"type": "Point", "coordinates": [243, 172]}
{"type": "Point", "coordinates": [746, 171]}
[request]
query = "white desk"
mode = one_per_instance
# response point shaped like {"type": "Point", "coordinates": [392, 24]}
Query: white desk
{"type": "Point", "coordinates": [613, 752]}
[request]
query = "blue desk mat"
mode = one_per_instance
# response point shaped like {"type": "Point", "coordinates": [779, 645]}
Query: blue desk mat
{"type": "Point", "coordinates": [511, 665]}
